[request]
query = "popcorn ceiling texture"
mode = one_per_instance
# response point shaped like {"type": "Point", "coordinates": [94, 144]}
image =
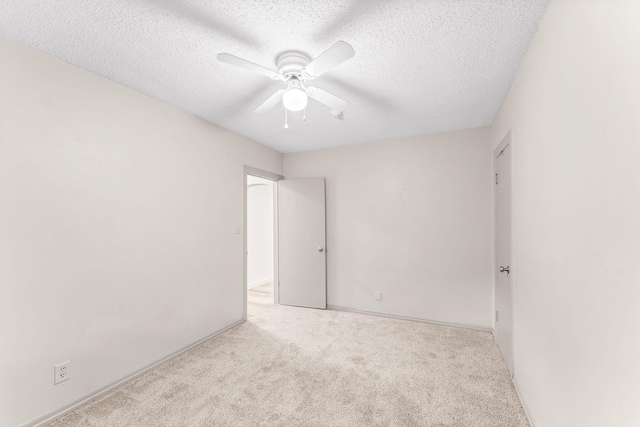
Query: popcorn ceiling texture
{"type": "Point", "coordinates": [420, 67]}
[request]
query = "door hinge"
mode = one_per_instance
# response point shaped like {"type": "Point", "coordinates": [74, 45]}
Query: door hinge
{"type": "Point", "coordinates": [496, 179]}
{"type": "Point", "coordinates": [496, 315]}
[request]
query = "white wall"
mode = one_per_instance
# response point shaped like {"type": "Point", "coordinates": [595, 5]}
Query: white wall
{"type": "Point", "coordinates": [574, 108]}
{"type": "Point", "coordinates": [117, 230]}
{"type": "Point", "coordinates": [412, 218]}
{"type": "Point", "coordinates": [259, 231]}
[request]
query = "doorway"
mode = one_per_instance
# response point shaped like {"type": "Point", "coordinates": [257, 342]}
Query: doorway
{"type": "Point", "coordinates": [504, 315]}
{"type": "Point", "coordinates": [260, 244]}
{"type": "Point", "coordinates": [260, 241]}
{"type": "Point", "coordinates": [284, 242]}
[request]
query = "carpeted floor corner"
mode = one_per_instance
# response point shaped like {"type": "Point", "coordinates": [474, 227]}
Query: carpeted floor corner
{"type": "Point", "coordinates": [289, 366]}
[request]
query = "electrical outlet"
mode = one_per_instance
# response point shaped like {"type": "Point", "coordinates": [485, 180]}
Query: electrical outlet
{"type": "Point", "coordinates": [61, 372]}
{"type": "Point", "coordinates": [378, 295]}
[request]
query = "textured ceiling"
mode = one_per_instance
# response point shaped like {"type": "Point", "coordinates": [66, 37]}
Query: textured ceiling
{"type": "Point", "coordinates": [420, 66]}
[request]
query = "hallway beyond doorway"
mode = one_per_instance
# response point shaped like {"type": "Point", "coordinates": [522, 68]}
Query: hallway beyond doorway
{"type": "Point", "coordinates": [259, 299]}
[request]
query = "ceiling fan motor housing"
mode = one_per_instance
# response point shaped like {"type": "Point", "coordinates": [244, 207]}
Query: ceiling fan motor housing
{"type": "Point", "coordinates": [291, 63]}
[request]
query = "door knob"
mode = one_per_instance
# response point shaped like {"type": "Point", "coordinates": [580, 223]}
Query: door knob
{"type": "Point", "coordinates": [503, 269]}
{"type": "Point", "coordinates": [320, 249]}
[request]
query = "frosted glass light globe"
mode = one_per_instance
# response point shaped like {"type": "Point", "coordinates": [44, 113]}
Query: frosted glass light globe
{"type": "Point", "coordinates": [294, 99]}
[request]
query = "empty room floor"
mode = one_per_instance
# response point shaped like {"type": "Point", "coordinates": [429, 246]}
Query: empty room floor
{"type": "Point", "coordinates": [290, 366]}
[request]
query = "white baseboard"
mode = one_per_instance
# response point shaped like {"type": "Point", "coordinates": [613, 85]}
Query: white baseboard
{"type": "Point", "coordinates": [57, 413]}
{"type": "Point", "coordinates": [527, 412]}
{"type": "Point", "coordinates": [412, 319]}
{"type": "Point", "coordinates": [260, 283]}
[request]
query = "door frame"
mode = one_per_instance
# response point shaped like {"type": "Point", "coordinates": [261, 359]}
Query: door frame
{"type": "Point", "coordinates": [246, 171]}
{"type": "Point", "coordinates": [506, 141]}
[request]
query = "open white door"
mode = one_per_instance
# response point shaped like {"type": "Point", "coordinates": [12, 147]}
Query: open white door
{"type": "Point", "coordinates": [504, 290]}
{"type": "Point", "coordinates": [301, 244]}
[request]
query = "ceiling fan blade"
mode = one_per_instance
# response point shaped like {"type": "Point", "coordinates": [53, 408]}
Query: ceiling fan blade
{"type": "Point", "coordinates": [243, 63]}
{"type": "Point", "coordinates": [271, 102]}
{"type": "Point", "coordinates": [328, 99]}
{"type": "Point", "coordinates": [335, 55]}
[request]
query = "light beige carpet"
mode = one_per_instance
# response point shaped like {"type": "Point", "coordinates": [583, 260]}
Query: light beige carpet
{"type": "Point", "coordinates": [292, 366]}
{"type": "Point", "coordinates": [259, 299]}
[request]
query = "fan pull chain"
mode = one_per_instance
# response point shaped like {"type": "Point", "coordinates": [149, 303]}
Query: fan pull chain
{"type": "Point", "coordinates": [304, 115]}
{"type": "Point", "coordinates": [286, 125]}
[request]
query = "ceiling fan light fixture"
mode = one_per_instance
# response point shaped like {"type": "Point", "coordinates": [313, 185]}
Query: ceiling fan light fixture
{"type": "Point", "coordinates": [295, 68]}
{"type": "Point", "coordinates": [294, 99]}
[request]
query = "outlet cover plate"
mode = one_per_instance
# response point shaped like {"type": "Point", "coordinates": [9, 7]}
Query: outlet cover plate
{"type": "Point", "coordinates": [61, 372]}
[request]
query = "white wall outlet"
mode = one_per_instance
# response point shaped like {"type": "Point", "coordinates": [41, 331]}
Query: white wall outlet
{"type": "Point", "coordinates": [378, 295]}
{"type": "Point", "coordinates": [238, 229]}
{"type": "Point", "coordinates": [61, 372]}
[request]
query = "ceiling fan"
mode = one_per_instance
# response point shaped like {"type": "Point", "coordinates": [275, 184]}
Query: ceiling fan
{"type": "Point", "coordinates": [295, 69]}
